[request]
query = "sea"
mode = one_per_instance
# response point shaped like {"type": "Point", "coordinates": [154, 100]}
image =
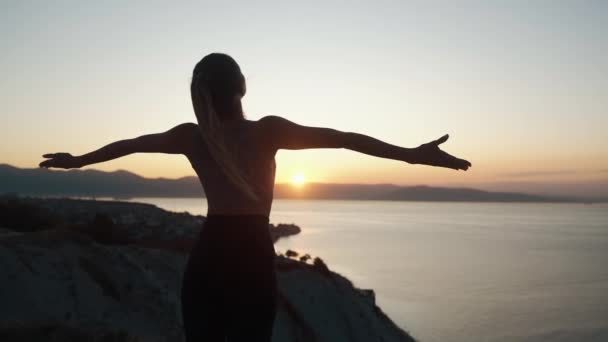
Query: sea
{"type": "Point", "coordinates": [448, 271]}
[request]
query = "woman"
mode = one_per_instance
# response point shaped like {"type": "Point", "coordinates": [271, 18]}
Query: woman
{"type": "Point", "coordinates": [229, 286]}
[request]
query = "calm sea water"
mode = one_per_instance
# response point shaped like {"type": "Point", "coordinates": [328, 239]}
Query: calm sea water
{"type": "Point", "coordinates": [462, 271]}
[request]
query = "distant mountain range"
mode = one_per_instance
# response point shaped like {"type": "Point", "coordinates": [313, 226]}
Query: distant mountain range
{"type": "Point", "coordinates": [124, 184]}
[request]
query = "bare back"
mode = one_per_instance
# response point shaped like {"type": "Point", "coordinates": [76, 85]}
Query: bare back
{"type": "Point", "coordinates": [255, 159]}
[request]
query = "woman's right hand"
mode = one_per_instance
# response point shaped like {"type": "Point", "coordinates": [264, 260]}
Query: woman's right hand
{"type": "Point", "coordinates": [431, 154]}
{"type": "Point", "coordinates": [60, 161]}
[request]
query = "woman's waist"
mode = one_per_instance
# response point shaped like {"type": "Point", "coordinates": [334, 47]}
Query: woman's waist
{"type": "Point", "coordinates": [237, 219]}
{"type": "Point", "coordinates": [236, 227]}
{"type": "Point", "coordinates": [238, 234]}
{"type": "Point", "coordinates": [233, 205]}
{"type": "Point", "coordinates": [237, 208]}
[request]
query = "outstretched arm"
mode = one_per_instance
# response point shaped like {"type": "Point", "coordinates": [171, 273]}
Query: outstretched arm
{"type": "Point", "coordinates": [285, 134]}
{"type": "Point", "coordinates": [174, 141]}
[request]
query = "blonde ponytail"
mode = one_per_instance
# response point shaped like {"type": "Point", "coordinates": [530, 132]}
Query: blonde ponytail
{"type": "Point", "coordinates": [214, 138]}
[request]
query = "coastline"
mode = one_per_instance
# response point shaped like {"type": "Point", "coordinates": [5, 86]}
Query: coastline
{"type": "Point", "coordinates": [112, 248]}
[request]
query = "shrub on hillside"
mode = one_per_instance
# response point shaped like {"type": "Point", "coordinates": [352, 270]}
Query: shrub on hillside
{"type": "Point", "coordinates": [20, 216]}
{"type": "Point", "coordinates": [320, 266]}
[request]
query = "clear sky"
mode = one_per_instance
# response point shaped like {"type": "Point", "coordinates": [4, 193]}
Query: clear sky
{"type": "Point", "coordinates": [521, 86]}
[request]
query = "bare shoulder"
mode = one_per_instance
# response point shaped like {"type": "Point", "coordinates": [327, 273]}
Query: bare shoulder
{"type": "Point", "coordinates": [183, 131]}
{"type": "Point", "coordinates": [274, 123]}
{"type": "Point", "coordinates": [185, 127]}
{"type": "Point", "coordinates": [273, 119]}
{"type": "Point", "coordinates": [285, 134]}
{"type": "Point", "coordinates": [182, 135]}
{"type": "Point", "coordinates": [270, 128]}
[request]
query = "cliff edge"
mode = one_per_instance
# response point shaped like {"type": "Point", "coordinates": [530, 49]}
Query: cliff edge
{"type": "Point", "coordinates": [69, 281]}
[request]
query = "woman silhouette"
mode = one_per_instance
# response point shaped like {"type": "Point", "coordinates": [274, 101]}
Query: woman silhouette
{"type": "Point", "coordinates": [229, 285]}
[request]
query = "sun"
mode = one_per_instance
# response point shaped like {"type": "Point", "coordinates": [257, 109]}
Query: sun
{"type": "Point", "coordinates": [298, 179]}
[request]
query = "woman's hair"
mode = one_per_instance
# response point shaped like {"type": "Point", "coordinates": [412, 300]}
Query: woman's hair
{"type": "Point", "coordinates": [216, 89]}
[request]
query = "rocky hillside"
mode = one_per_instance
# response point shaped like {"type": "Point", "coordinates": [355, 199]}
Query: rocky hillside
{"type": "Point", "coordinates": [69, 279]}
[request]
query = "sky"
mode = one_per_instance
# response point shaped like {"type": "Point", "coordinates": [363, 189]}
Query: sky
{"type": "Point", "coordinates": [520, 86]}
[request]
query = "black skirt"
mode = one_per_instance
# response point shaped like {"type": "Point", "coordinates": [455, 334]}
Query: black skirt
{"type": "Point", "coordinates": [229, 288]}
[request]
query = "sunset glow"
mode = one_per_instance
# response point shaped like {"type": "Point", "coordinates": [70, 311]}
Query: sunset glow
{"type": "Point", "coordinates": [298, 179]}
{"type": "Point", "coordinates": [526, 109]}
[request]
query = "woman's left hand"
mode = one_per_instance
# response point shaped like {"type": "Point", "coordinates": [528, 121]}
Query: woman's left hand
{"type": "Point", "coordinates": [431, 154]}
{"type": "Point", "coordinates": [60, 160]}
